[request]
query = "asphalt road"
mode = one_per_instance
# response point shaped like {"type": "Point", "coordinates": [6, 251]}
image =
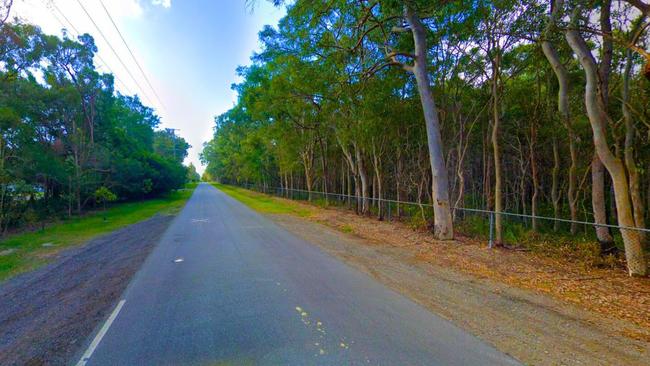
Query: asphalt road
{"type": "Point", "coordinates": [226, 286]}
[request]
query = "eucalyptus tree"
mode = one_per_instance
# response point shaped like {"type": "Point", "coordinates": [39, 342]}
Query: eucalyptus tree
{"type": "Point", "coordinates": [388, 98]}
{"type": "Point", "coordinates": [596, 103]}
{"type": "Point", "coordinates": [564, 109]}
{"type": "Point", "coordinates": [633, 166]}
{"type": "Point", "coordinates": [497, 37]}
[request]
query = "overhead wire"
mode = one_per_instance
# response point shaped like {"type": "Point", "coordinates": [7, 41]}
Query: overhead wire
{"type": "Point", "coordinates": [101, 59]}
{"type": "Point", "coordinates": [144, 74]}
{"type": "Point", "coordinates": [110, 45]}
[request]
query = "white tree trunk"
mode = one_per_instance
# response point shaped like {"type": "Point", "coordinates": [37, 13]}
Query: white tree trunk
{"type": "Point", "coordinates": [364, 180]}
{"type": "Point", "coordinates": [563, 107]}
{"type": "Point", "coordinates": [496, 153]}
{"type": "Point", "coordinates": [630, 136]}
{"type": "Point", "coordinates": [443, 223]}
{"type": "Point", "coordinates": [598, 119]}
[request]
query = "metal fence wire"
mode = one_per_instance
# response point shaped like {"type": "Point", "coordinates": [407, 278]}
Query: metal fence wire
{"type": "Point", "coordinates": [480, 220]}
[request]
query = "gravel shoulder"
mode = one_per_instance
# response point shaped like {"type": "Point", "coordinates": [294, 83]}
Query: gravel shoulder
{"type": "Point", "coordinates": [46, 314]}
{"type": "Point", "coordinates": [534, 328]}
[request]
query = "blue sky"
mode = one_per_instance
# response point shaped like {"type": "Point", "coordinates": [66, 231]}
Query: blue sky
{"type": "Point", "coordinates": [188, 49]}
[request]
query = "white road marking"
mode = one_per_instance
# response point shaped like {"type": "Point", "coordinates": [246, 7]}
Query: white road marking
{"type": "Point", "coordinates": [199, 220]}
{"type": "Point", "coordinates": [102, 332]}
{"type": "Point", "coordinates": [178, 260]}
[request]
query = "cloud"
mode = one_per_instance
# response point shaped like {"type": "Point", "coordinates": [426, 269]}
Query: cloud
{"type": "Point", "coordinates": [164, 3]}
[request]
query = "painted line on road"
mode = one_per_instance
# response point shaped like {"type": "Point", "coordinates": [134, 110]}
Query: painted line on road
{"type": "Point", "coordinates": [102, 332]}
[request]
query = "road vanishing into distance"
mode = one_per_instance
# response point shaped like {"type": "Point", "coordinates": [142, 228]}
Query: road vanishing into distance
{"type": "Point", "coordinates": [226, 286]}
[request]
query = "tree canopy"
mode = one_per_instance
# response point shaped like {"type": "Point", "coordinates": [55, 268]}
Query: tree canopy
{"type": "Point", "coordinates": [530, 107]}
{"type": "Point", "coordinates": [66, 134]}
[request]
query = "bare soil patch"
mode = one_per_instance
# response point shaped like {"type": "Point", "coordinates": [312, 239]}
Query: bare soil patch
{"type": "Point", "coordinates": [46, 314]}
{"type": "Point", "coordinates": [543, 310]}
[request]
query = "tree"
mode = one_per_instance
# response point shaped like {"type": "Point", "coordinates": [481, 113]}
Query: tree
{"type": "Point", "coordinates": [192, 175]}
{"type": "Point", "coordinates": [595, 102]}
{"type": "Point", "coordinates": [65, 133]}
{"type": "Point", "coordinates": [435, 102]}
{"type": "Point", "coordinates": [103, 195]}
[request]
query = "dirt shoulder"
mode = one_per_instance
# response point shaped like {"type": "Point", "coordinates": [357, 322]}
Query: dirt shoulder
{"type": "Point", "coordinates": [519, 302]}
{"type": "Point", "coordinates": [46, 314]}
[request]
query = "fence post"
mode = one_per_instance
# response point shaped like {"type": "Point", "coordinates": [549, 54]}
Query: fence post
{"type": "Point", "coordinates": [491, 241]}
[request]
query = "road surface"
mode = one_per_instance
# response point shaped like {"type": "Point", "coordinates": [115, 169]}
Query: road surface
{"type": "Point", "coordinates": [226, 286]}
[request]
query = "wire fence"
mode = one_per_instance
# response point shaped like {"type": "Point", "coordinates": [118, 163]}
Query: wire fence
{"type": "Point", "coordinates": [515, 226]}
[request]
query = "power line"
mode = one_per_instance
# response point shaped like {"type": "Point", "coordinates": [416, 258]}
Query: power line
{"type": "Point", "coordinates": [103, 62]}
{"type": "Point", "coordinates": [144, 74]}
{"type": "Point", "coordinates": [64, 17]}
{"type": "Point", "coordinates": [112, 49]}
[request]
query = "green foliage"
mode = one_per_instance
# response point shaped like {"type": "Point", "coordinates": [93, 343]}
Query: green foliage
{"type": "Point", "coordinates": [329, 104]}
{"type": "Point", "coordinates": [104, 195]}
{"type": "Point", "coordinates": [66, 136]}
{"type": "Point", "coordinates": [170, 146]}
{"type": "Point", "coordinates": [192, 175]}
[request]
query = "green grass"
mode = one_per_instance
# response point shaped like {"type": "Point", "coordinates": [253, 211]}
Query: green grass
{"type": "Point", "coordinates": [28, 252]}
{"type": "Point", "coordinates": [263, 203]}
{"type": "Point", "coordinates": [348, 229]}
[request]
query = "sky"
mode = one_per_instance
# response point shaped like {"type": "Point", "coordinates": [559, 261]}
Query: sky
{"type": "Point", "coordinates": [187, 50]}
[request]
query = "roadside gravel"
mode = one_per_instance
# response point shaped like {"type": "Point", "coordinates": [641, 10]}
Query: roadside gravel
{"type": "Point", "coordinates": [46, 314]}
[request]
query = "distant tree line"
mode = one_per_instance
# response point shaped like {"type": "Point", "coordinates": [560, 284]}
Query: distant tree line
{"type": "Point", "coordinates": [535, 107]}
{"type": "Point", "coordinates": [68, 140]}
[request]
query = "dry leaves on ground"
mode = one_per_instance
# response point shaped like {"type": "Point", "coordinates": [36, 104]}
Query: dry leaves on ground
{"type": "Point", "coordinates": [609, 291]}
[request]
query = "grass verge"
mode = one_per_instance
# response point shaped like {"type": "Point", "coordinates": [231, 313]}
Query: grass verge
{"type": "Point", "coordinates": [263, 203]}
{"type": "Point", "coordinates": [26, 251]}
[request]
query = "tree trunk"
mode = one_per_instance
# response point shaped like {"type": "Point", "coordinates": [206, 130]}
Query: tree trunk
{"type": "Point", "coordinates": [443, 223]}
{"type": "Point", "coordinates": [323, 157]}
{"type": "Point", "coordinates": [563, 107]}
{"type": "Point", "coordinates": [523, 173]}
{"type": "Point", "coordinates": [496, 153]}
{"type": "Point", "coordinates": [307, 161]}
{"type": "Point", "coordinates": [463, 143]}
{"type": "Point", "coordinates": [533, 169]}
{"type": "Point", "coordinates": [349, 188]}
{"type": "Point", "coordinates": [364, 180]}
{"type": "Point", "coordinates": [398, 186]}
{"type": "Point", "coordinates": [354, 169]}
{"type": "Point", "coordinates": [285, 191]}
{"type": "Point", "coordinates": [487, 172]}
{"type": "Point", "coordinates": [374, 189]}
{"type": "Point", "coordinates": [377, 165]}
{"type": "Point", "coordinates": [555, 192]}
{"type": "Point", "coordinates": [630, 136]}
{"type": "Point", "coordinates": [598, 119]}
